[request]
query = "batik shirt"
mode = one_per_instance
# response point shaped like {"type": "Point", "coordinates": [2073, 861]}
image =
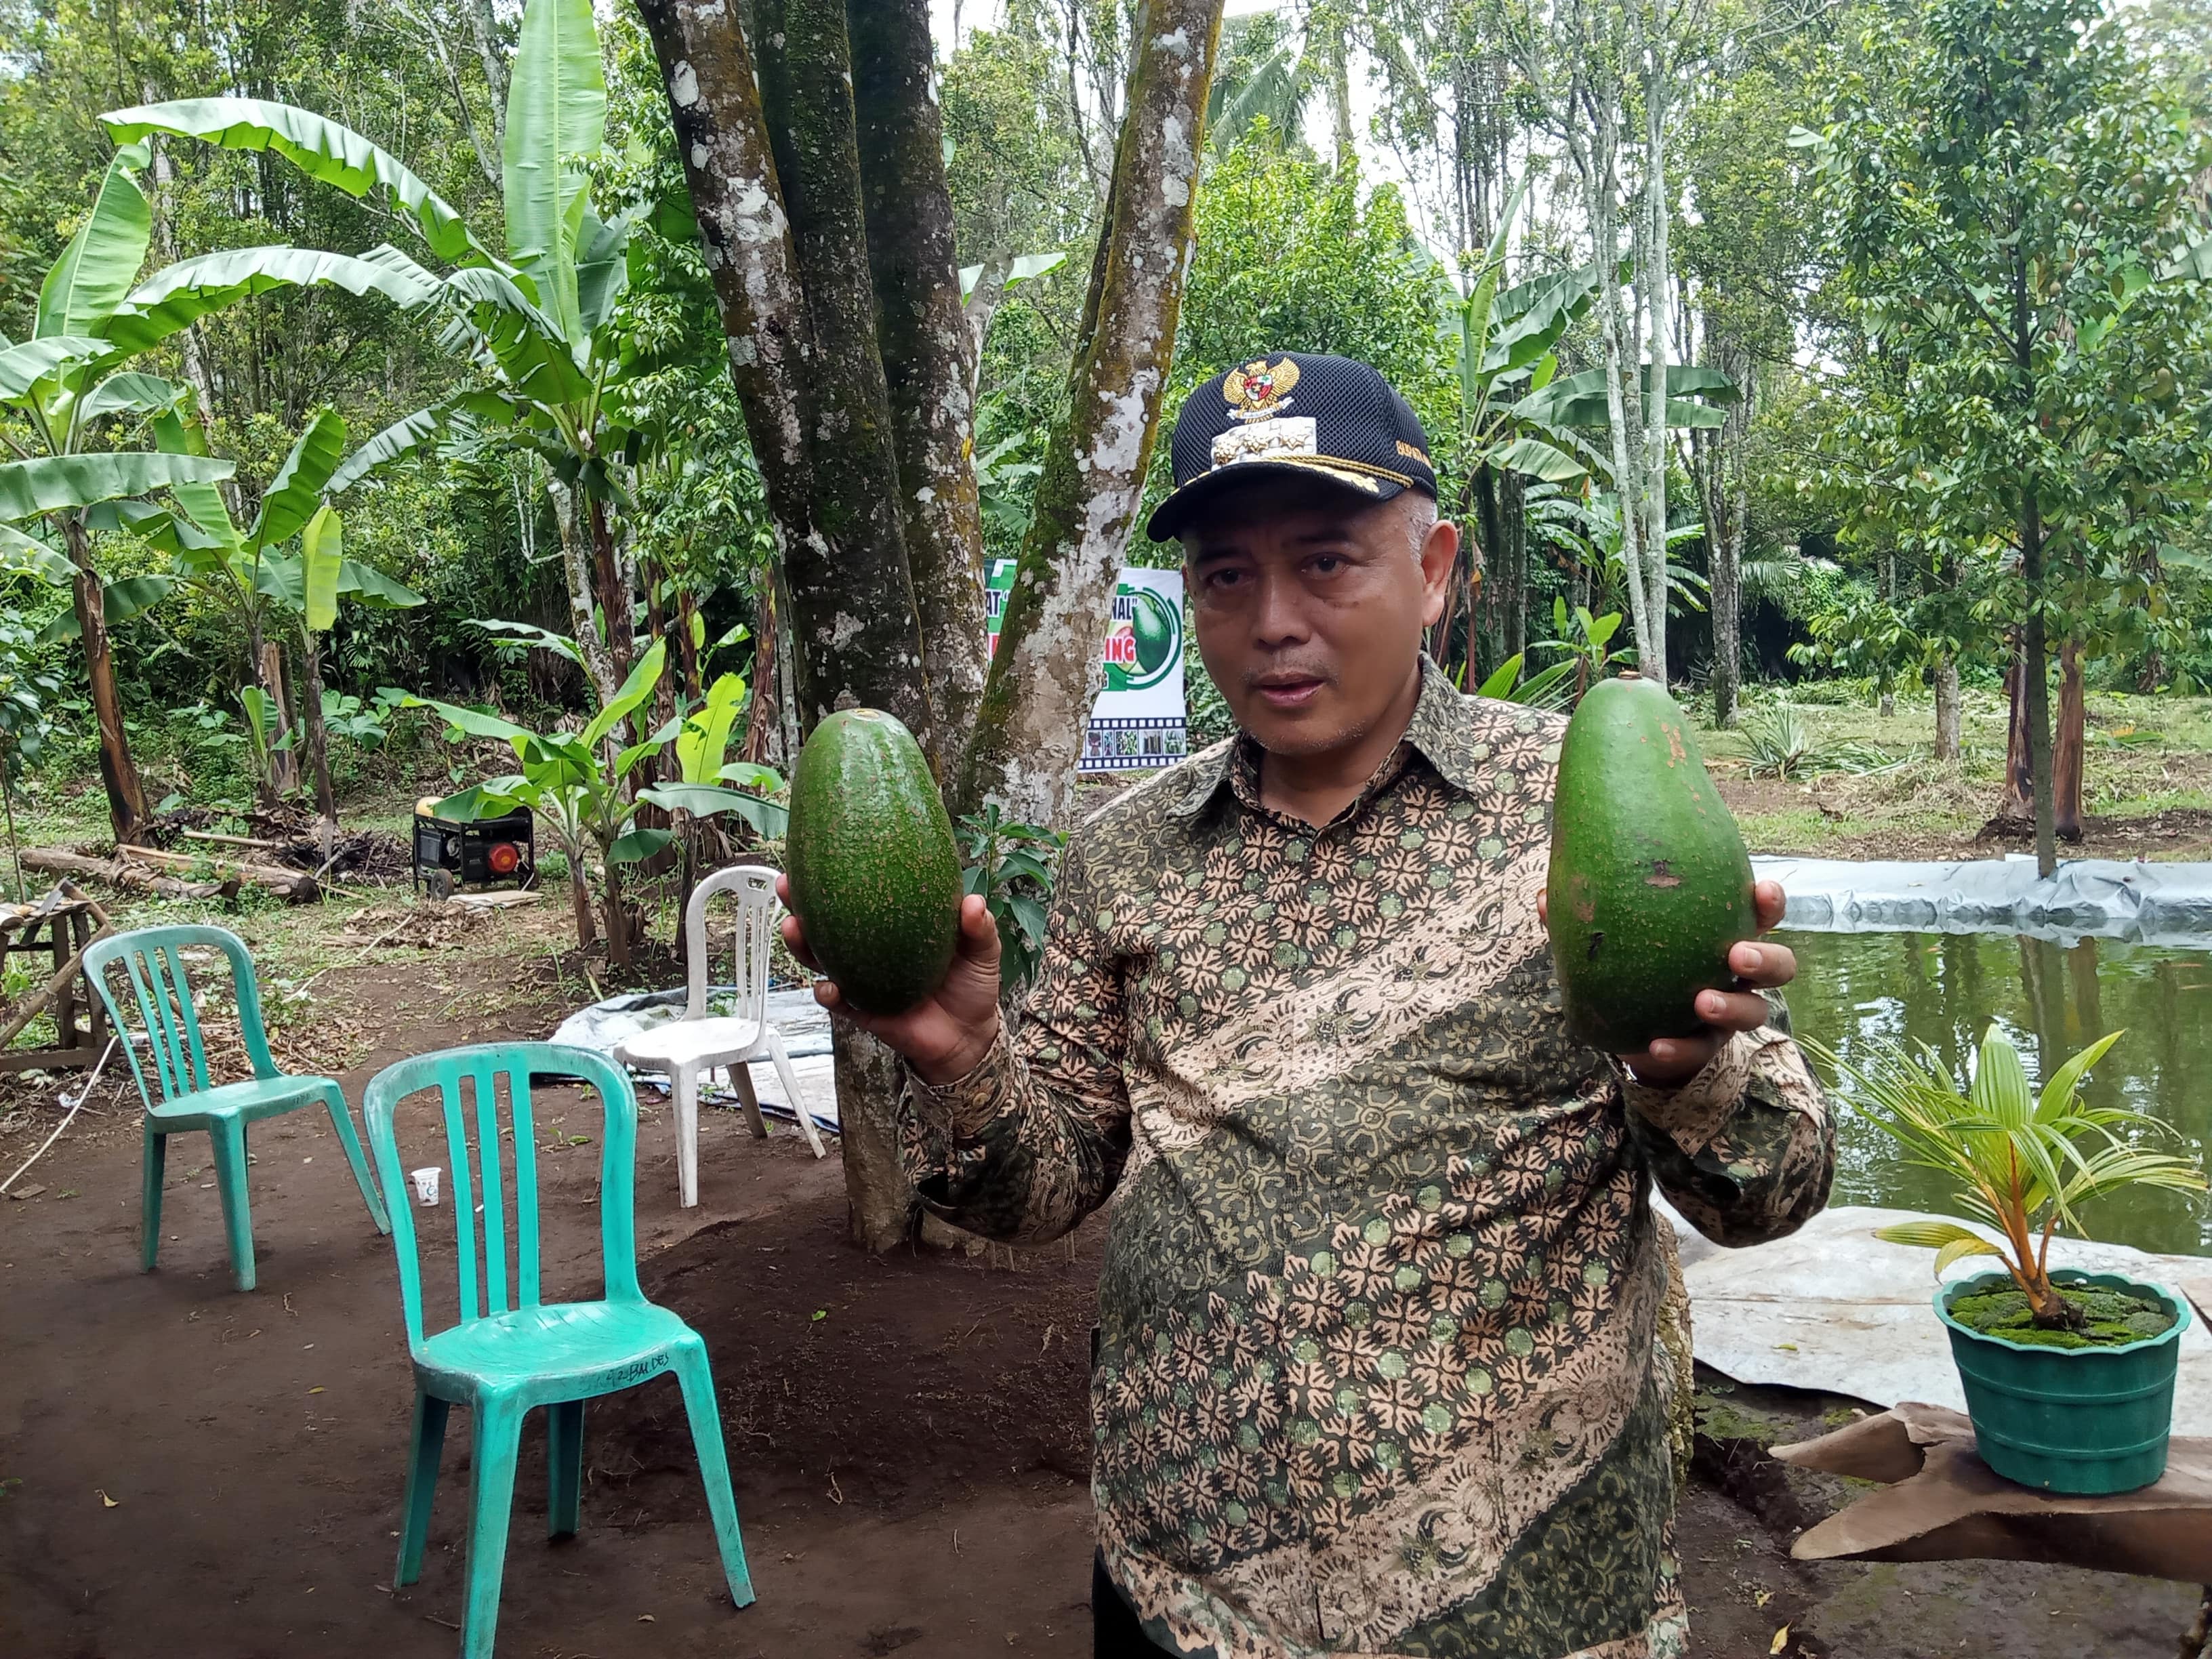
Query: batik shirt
{"type": "Point", "coordinates": [1376, 1368]}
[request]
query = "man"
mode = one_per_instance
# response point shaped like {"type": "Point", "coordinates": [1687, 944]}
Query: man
{"type": "Point", "coordinates": [1375, 1369]}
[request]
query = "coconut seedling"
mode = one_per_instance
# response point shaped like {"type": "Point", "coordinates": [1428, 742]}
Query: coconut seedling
{"type": "Point", "coordinates": [2025, 1162]}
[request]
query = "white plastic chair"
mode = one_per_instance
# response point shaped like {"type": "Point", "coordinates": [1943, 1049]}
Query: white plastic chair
{"type": "Point", "coordinates": [700, 1041]}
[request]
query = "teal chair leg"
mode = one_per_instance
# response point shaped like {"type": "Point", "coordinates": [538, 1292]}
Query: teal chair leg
{"type": "Point", "coordinates": [228, 1135]}
{"type": "Point", "coordinates": [149, 1200]}
{"type": "Point", "coordinates": [698, 1384]}
{"type": "Point", "coordinates": [564, 1467]}
{"type": "Point", "coordinates": [422, 1485]}
{"type": "Point", "coordinates": [491, 1499]}
{"type": "Point", "coordinates": [342, 1121]}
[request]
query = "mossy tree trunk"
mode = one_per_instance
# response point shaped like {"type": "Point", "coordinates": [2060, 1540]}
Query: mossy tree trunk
{"type": "Point", "coordinates": [126, 795]}
{"type": "Point", "coordinates": [928, 348]}
{"type": "Point", "coordinates": [1046, 672]}
{"type": "Point", "coordinates": [856, 381]}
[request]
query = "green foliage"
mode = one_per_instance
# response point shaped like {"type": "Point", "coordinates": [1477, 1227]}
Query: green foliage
{"type": "Point", "coordinates": [2024, 1162]}
{"type": "Point", "coordinates": [1779, 743]}
{"type": "Point", "coordinates": [1013, 866]}
{"type": "Point", "coordinates": [2012, 195]}
{"type": "Point", "coordinates": [1584, 642]}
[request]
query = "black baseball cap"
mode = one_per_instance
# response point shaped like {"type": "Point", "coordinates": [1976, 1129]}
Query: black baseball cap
{"type": "Point", "coordinates": [1293, 412]}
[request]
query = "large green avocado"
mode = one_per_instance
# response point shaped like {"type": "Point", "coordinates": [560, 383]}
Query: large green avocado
{"type": "Point", "coordinates": [875, 877]}
{"type": "Point", "coordinates": [1650, 883]}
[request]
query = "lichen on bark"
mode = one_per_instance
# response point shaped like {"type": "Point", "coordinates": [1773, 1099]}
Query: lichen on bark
{"type": "Point", "coordinates": [927, 352]}
{"type": "Point", "coordinates": [1046, 671]}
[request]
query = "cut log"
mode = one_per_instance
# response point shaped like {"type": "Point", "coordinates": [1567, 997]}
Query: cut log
{"type": "Point", "coordinates": [129, 877]}
{"type": "Point", "coordinates": [297, 885]}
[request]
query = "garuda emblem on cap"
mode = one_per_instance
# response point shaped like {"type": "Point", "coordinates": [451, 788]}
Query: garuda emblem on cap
{"type": "Point", "coordinates": [1259, 390]}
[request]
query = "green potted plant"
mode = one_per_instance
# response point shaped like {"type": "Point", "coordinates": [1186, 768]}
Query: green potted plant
{"type": "Point", "coordinates": [2069, 1376]}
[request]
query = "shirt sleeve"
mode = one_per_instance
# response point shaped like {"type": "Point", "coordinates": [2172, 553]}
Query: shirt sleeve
{"type": "Point", "coordinates": [1745, 1149]}
{"type": "Point", "coordinates": [1033, 1139]}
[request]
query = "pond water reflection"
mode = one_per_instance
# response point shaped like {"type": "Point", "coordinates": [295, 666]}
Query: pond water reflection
{"type": "Point", "coordinates": [1855, 990]}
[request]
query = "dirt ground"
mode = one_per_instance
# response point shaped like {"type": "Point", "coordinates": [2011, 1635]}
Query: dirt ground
{"type": "Point", "coordinates": [185, 1472]}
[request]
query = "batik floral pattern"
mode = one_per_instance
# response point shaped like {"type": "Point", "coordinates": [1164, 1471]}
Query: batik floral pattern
{"type": "Point", "coordinates": [1376, 1368]}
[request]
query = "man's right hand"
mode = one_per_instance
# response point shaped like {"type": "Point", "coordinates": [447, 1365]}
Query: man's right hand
{"type": "Point", "coordinates": [946, 1034]}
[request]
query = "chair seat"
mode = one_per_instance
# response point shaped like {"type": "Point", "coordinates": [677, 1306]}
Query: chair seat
{"type": "Point", "coordinates": [255, 1096]}
{"type": "Point", "coordinates": [717, 1042]}
{"type": "Point", "coordinates": [562, 1350]}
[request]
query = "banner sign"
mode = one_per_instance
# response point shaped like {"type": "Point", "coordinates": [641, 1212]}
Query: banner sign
{"type": "Point", "coordinates": [1139, 721]}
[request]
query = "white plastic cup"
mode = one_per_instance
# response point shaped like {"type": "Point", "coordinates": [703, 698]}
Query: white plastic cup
{"type": "Point", "coordinates": [426, 1185]}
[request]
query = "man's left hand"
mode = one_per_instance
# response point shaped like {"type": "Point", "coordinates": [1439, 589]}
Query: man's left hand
{"type": "Point", "coordinates": [1761, 966]}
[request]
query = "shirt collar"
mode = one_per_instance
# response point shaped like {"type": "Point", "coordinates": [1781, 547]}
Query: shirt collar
{"type": "Point", "coordinates": [1439, 732]}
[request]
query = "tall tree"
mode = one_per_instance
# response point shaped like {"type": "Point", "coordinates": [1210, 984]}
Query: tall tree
{"type": "Point", "coordinates": [834, 359]}
{"type": "Point", "coordinates": [2015, 203]}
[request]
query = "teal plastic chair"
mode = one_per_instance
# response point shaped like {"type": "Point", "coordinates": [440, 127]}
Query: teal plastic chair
{"type": "Point", "coordinates": [509, 1351]}
{"type": "Point", "coordinates": [164, 1038]}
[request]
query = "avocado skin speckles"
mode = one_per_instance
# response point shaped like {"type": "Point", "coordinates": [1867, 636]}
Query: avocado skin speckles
{"type": "Point", "coordinates": [875, 875]}
{"type": "Point", "coordinates": [1650, 883]}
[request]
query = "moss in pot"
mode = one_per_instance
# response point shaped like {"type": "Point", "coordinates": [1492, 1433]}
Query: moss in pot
{"type": "Point", "coordinates": [2068, 1377]}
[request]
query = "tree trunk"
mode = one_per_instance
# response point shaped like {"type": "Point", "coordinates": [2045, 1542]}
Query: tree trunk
{"type": "Point", "coordinates": [126, 795]}
{"type": "Point", "coordinates": [2019, 799]}
{"type": "Point", "coordinates": [311, 723]}
{"type": "Point", "coordinates": [687, 642]}
{"type": "Point", "coordinates": [580, 900]}
{"type": "Point", "coordinates": [860, 614]}
{"type": "Point", "coordinates": [761, 719]}
{"type": "Point", "coordinates": [774, 170]}
{"type": "Point", "coordinates": [1513, 550]}
{"type": "Point", "coordinates": [928, 348]}
{"type": "Point", "coordinates": [1654, 277]}
{"type": "Point", "coordinates": [2036, 682]}
{"type": "Point", "coordinates": [1947, 708]}
{"type": "Point", "coordinates": [1595, 162]}
{"type": "Point", "coordinates": [880, 1204]}
{"type": "Point", "coordinates": [576, 566]}
{"type": "Point", "coordinates": [618, 917]}
{"type": "Point", "coordinates": [611, 589]}
{"type": "Point", "coordinates": [284, 763]}
{"type": "Point", "coordinates": [1046, 672]}
{"type": "Point", "coordinates": [2066, 763]}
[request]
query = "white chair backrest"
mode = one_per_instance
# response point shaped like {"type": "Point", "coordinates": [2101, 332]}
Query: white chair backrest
{"type": "Point", "coordinates": [754, 887]}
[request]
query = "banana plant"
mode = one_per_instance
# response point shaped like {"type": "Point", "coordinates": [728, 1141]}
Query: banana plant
{"type": "Point", "coordinates": [532, 323]}
{"type": "Point", "coordinates": [67, 385]}
{"type": "Point", "coordinates": [572, 784]}
{"type": "Point", "coordinates": [248, 572]}
{"type": "Point", "coordinates": [1502, 342]}
{"type": "Point", "coordinates": [707, 783]}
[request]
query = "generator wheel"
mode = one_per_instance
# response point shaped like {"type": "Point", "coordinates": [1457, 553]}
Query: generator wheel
{"type": "Point", "coordinates": [438, 883]}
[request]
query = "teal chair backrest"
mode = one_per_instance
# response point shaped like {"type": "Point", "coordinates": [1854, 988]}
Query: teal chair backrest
{"type": "Point", "coordinates": [469, 1083]}
{"type": "Point", "coordinates": [166, 1026]}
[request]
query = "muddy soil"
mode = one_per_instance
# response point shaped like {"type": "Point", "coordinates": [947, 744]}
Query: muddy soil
{"type": "Point", "coordinates": [190, 1473]}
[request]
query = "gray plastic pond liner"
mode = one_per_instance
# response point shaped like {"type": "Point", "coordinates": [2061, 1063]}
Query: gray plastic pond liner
{"type": "Point", "coordinates": [803, 1023]}
{"type": "Point", "coordinates": [2168, 904]}
{"type": "Point", "coordinates": [1833, 1308]}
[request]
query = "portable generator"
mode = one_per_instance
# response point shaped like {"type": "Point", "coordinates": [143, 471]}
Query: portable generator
{"type": "Point", "coordinates": [450, 854]}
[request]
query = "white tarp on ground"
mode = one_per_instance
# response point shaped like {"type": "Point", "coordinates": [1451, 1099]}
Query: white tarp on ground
{"type": "Point", "coordinates": [1835, 1308]}
{"type": "Point", "coordinates": [2168, 904]}
{"type": "Point", "coordinates": [803, 1023]}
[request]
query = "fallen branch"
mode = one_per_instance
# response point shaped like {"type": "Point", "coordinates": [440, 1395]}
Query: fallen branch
{"type": "Point", "coordinates": [230, 841]}
{"type": "Point", "coordinates": [295, 885]}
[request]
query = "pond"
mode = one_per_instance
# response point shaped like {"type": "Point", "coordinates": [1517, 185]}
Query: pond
{"type": "Point", "coordinates": [1856, 991]}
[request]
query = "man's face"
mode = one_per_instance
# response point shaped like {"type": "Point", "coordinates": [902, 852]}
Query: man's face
{"type": "Point", "coordinates": [1310, 604]}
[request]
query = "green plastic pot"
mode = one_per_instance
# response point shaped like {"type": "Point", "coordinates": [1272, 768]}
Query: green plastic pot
{"type": "Point", "coordinates": [2083, 1420]}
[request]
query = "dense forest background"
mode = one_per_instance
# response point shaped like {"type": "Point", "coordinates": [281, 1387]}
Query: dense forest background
{"type": "Point", "coordinates": [1824, 497]}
